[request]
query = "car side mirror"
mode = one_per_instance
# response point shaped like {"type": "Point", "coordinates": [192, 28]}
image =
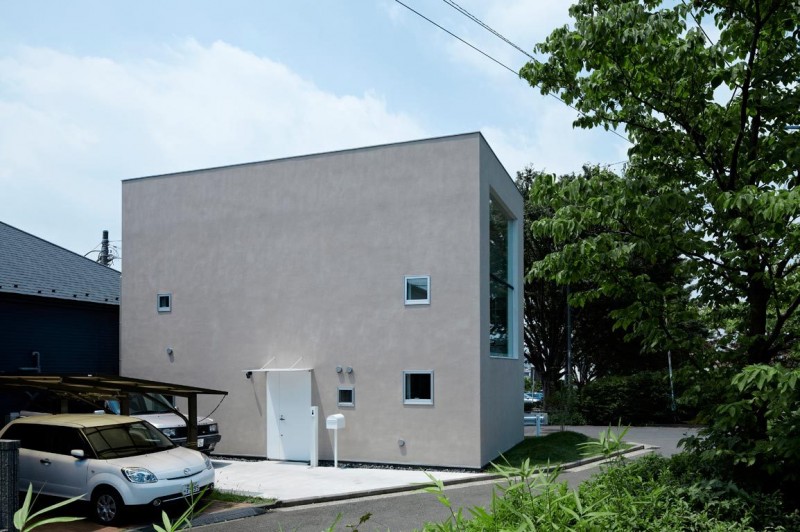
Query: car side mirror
{"type": "Point", "coordinates": [77, 453]}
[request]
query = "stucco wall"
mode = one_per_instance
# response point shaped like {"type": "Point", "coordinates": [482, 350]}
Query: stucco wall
{"type": "Point", "coordinates": [301, 262]}
{"type": "Point", "coordinates": [502, 379]}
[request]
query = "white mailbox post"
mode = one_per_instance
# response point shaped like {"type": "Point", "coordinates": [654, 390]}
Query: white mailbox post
{"type": "Point", "coordinates": [335, 422]}
{"type": "Point", "coordinates": [314, 458]}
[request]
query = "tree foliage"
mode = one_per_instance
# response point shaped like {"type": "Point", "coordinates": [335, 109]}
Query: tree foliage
{"type": "Point", "coordinates": [597, 348]}
{"type": "Point", "coordinates": [711, 174]}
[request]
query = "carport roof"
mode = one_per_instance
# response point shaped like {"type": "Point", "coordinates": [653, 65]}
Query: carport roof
{"type": "Point", "coordinates": [100, 385]}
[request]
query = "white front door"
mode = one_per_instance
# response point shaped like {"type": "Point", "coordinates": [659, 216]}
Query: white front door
{"type": "Point", "coordinates": [289, 415]}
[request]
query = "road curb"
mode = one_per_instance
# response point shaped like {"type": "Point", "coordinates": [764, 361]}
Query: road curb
{"type": "Point", "coordinates": [259, 509]}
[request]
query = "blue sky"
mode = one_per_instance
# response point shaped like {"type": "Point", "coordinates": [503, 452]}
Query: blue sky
{"type": "Point", "coordinates": [93, 92]}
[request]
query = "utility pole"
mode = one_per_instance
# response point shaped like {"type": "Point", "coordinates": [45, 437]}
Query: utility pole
{"type": "Point", "coordinates": [104, 258]}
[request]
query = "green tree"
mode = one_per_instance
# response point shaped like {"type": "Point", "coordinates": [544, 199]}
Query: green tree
{"type": "Point", "coordinates": [706, 92]}
{"type": "Point", "coordinates": [712, 167]}
{"type": "Point", "coordinates": [598, 348]}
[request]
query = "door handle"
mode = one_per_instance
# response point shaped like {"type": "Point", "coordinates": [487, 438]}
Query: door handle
{"type": "Point", "coordinates": [282, 418]}
{"type": "Point", "coordinates": [44, 461]}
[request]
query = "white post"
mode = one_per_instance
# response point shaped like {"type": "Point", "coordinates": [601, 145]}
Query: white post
{"type": "Point", "coordinates": [314, 437]}
{"type": "Point", "coordinates": [335, 448]}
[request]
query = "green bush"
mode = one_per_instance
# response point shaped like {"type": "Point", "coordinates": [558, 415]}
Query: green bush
{"type": "Point", "coordinates": [639, 399]}
{"type": "Point", "coordinates": [646, 494]}
{"type": "Point", "coordinates": [754, 435]}
{"type": "Point", "coordinates": [563, 408]}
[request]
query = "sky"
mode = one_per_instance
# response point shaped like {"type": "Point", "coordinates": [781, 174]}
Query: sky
{"type": "Point", "coordinates": [94, 92]}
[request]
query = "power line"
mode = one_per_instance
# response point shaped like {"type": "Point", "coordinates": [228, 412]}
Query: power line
{"type": "Point", "coordinates": [478, 21]}
{"type": "Point", "coordinates": [485, 26]}
{"type": "Point", "coordinates": [459, 38]}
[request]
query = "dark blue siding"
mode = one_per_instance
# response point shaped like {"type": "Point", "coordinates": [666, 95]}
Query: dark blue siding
{"type": "Point", "coordinates": [71, 337]}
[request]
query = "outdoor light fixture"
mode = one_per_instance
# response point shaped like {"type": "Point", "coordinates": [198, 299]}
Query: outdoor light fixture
{"type": "Point", "coordinates": [338, 369]}
{"type": "Point", "coordinates": [401, 443]}
{"type": "Point", "coordinates": [169, 351]}
{"type": "Point", "coordinates": [248, 374]}
{"type": "Point", "coordinates": [349, 370]}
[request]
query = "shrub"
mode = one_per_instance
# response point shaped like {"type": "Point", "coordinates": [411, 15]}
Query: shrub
{"type": "Point", "coordinates": [638, 399]}
{"type": "Point", "coordinates": [754, 436]}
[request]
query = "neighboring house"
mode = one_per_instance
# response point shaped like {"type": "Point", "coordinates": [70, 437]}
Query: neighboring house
{"type": "Point", "coordinates": [59, 311]}
{"type": "Point", "coordinates": [382, 283]}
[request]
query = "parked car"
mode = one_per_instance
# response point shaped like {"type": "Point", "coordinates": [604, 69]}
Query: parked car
{"type": "Point", "coordinates": [158, 410]}
{"type": "Point", "coordinates": [532, 399]}
{"type": "Point", "coordinates": [113, 461]}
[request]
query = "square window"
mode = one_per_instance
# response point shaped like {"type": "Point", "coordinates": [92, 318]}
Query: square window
{"type": "Point", "coordinates": [418, 387]}
{"type": "Point", "coordinates": [164, 302]}
{"type": "Point", "coordinates": [418, 289]}
{"type": "Point", "coordinates": [347, 396]}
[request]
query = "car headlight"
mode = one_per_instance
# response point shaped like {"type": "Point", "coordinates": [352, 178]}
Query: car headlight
{"type": "Point", "coordinates": [208, 462]}
{"type": "Point", "coordinates": [169, 433]}
{"type": "Point", "coordinates": [213, 428]}
{"type": "Point", "coordinates": [139, 475]}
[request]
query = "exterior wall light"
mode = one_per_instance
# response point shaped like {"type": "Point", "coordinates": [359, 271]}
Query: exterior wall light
{"type": "Point", "coordinates": [338, 369]}
{"type": "Point", "coordinates": [349, 370]}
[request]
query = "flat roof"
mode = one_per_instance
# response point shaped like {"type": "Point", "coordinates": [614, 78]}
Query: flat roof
{"type": "Point", "coordinates": [100, 385]}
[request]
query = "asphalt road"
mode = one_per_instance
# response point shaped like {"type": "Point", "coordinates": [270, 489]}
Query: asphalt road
{"type": "Point", "coordinates": [410, 510]}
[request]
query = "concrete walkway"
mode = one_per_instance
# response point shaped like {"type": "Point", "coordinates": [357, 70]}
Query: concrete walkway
{"type": "Point", "coordinates": [294, 483]}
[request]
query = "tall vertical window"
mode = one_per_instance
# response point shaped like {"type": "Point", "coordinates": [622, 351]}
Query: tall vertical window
{"type": "Point", "coordinates": [501, 289]}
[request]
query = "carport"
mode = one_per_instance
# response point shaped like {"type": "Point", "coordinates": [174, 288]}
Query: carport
{"type": "Point", "coordinates": [100, 387]}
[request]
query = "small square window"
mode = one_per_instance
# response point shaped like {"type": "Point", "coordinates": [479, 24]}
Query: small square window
{"type": "Point", "coordinates": [418, 289]}
{"type": "Point", "coordinates": [347, 396]}
{"type": "Point", "coordinates": [164, 302]}
{"type": "Point", "coordinates": [418, 387]}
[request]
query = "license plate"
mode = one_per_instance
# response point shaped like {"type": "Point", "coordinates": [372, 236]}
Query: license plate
{"type": "Point", "coordinates": [200, 442]}
{"type": "Point", "coordinates": [190, 488]}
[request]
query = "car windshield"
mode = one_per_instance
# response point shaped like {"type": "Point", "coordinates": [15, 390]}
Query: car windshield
{"type": "Point", "coordinates": [153, 403]}
{"type": "Point", "coordinates": [128, 439]}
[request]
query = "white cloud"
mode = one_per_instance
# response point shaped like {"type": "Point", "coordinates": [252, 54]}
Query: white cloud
{"type": "Point", "coordinates": [72, 127]}
{"type": "Point", "coordinates": [553, 145]}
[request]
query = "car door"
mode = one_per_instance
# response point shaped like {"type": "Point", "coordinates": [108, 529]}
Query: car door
{"type": "Point", "coordinates": [45, 462]}
{"type": "Point", "coordinates": [28, 455]}
{"type": "Point", "coordinates": [66, 474]}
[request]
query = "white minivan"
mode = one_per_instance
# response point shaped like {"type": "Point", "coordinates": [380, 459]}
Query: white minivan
{"type": "Point", "coordinates": [112, 461]}
{"type": "Point", "coordinates": [159, 412]}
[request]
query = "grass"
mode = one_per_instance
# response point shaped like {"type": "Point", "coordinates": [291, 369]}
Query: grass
{"type": "Point", "coordinates": [555, 448]}
{"type": "Point", "coordinates": [234, 498]}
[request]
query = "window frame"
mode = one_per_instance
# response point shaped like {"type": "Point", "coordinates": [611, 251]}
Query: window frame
{"type": "Point", "coordinates": [406, 399]}
{"type": "Point", "coordinates": [161, 308]}
{"type": "Point", "coordinates": [352, 390]}
{"type": "Point", "coordinates": [512, 309]}
{"type": "Point", "coordinates": [427, 300]}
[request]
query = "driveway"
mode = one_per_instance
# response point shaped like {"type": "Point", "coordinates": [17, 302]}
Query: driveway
{"type": "Point", "coordinates": [313, 497]}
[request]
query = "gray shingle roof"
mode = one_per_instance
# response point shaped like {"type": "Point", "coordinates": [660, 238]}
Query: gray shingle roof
{"type": "Point", "coordinates": [32, 266]}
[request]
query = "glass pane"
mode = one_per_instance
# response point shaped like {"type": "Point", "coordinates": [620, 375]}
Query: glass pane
{"type": "Point", "coordinates": [417, 289]}
{"type": "Point", "coordinates": [346, 396]}
{"type": "Point", "coordinates": [499, 282]}
{"type": "Point", "coordinates": [418, 386]}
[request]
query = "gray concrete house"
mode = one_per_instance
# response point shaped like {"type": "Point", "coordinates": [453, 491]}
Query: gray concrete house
{"type": "Point", "coordinates": [382, 283]}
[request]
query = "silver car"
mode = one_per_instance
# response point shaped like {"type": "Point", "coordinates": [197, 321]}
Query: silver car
{"type": "Point", "coordinates": [112, 461]}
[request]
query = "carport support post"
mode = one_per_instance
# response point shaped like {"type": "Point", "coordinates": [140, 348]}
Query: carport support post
{"type": "Point", "coordinates": [191, 425]}
{"type": "Point", "coordinates": [9, 498]}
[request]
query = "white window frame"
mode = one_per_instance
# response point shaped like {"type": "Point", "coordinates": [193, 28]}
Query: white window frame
{"type": "Point", "coordinates": [513, 308]}
{"type": "Point", "coordinates": [426, 301]}
{"type": "Point", "coordinates": [352, 390]}
{"type": "Point", "coordinates": [407, 401]}
{"type": "Point", "coordinates": [164, 309]}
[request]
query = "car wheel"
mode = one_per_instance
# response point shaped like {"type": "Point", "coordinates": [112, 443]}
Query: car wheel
{"type": "Point", "coordinates": [107, 506]}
